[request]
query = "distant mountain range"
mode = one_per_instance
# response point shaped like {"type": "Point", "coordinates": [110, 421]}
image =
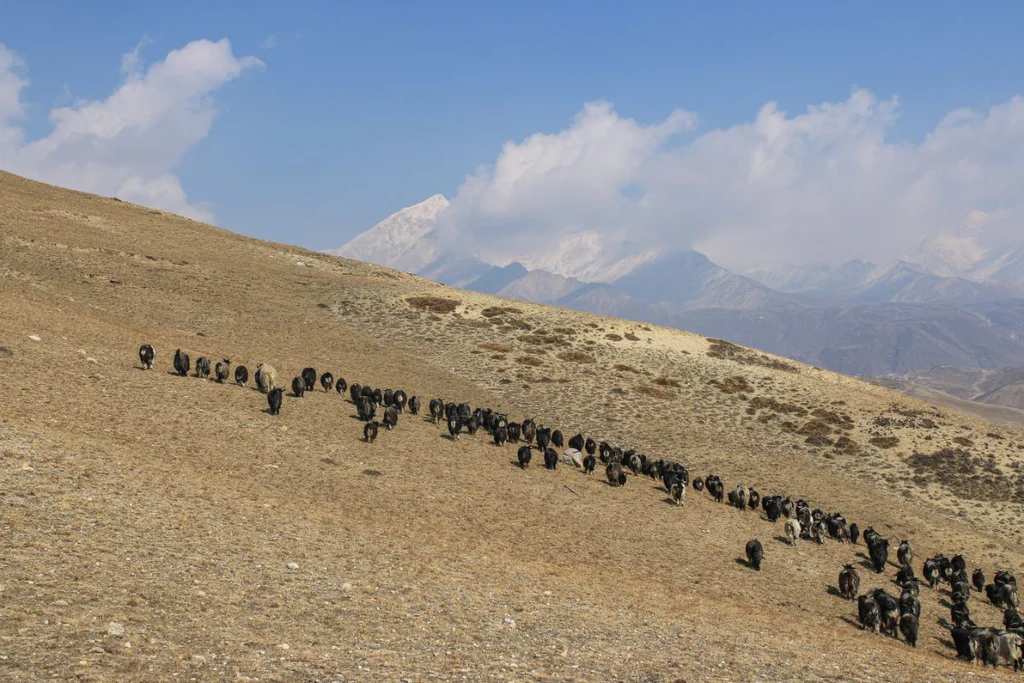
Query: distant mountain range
{"type": "Point", "coordinates": [952, 303]}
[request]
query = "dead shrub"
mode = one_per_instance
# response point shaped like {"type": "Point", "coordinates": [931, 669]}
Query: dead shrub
{"type": "Point", "coordinates": [434, 304]}
{"type": "Point", "coordinates": [840, 420]}
{"type": "Point", "coordinates": [963, 441]}
{"type": "Point", "coordinates": [769, 403]}
{"type": "Point", "coordinates": [846, 446]}
{"type": "Point", "coordinates": [492, 311]}
{"type": "Point", "coordinates": [968, 477]}
{"type": "Point", "coordinates": [719, 348]}
{"type": "Point", "coordinates": [538, 338]}
{"type": "Point", "coordinates": [532, 361]}
{"type": "Point", "coordinates": [614, 337]}
{"type": "Point", "coordinates": [734, 385]}
{"type": "Point", "coordinates": [577, 357]}
{"type": "Point", "coordinates": [815, 428]}
{"type": "Point", "coordinates": [626, 368]}
{"type": "Point", "coordinates": [653, 392]}
{"type": "Point", "coordinates": [884, 442]}
{"type": "Point", "coordinates": [632, 337]}
{"type": "Point", "coordinates": [666, 382]}
{"type": "Point", "coordinates": [818, 441]}
{"type": "Point", "coordinates": [497, 347]}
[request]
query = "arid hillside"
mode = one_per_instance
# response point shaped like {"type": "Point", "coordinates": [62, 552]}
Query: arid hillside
{"type": "Point", "coordinates": [156, 527]}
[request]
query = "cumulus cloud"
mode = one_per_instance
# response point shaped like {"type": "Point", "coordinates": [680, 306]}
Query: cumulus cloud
{"type": "Point", "coordinates": [825, 185]}
{"type": "Point", "coordinates": [128, 144]}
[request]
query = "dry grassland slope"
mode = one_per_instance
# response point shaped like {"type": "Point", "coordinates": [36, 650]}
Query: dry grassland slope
{"type": "Point", "coordinates": [173, 506]}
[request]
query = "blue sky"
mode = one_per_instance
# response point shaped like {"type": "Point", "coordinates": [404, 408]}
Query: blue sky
{"type": "Point", "coordinates": [361, 109]}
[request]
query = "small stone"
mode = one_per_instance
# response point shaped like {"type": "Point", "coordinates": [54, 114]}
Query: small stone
{"type": "Point", "coordinates": [547, 593]}
{"type": "Point", "coordinates": [284, 646]}
{"type": "Point", "coordinates": [284, 429]}
{"type": "Point", "coordinates": [35, 337]}
{"type": "Point", "coordinates": [97, 650]}
{"type": "Point", "coordinates": [60, 603]}
{"type": "Point", "coordinates": [346, 586]}
{"type": "Point", "coordinates": [293, 565]}
{"type": "Point", "coordinates": [198, 659]}
{"type": "Point", "coordinates": [115, 629]}
{"type": "Point", "coordinates": [92, 360]}
{"type": "Point", "coordinates": [82, 352]}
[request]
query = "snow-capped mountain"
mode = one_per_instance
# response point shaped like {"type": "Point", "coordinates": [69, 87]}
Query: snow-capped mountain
{"type": "Point", "coordinates": [951, 302]}
{"type": "Point", "coordinates": [1005, 265]}
{"type": "Point", "coordinates": [860, 282]}
{"type": "Point", "coordinates": [403, 240]}
{"type": "Point", "coordinates": [955, 254]}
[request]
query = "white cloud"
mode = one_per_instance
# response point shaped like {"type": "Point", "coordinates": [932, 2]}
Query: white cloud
{"type": "Point", "coordinates": [824, 185]}
{"type": "Point", "coordinates": [11, 85]}
{"type": "Point", "coordinates": [128, 144]}
{"type": "Point", "coordinates": [131, 62]}
{"type": "Point", "coordinates": [269, 43]}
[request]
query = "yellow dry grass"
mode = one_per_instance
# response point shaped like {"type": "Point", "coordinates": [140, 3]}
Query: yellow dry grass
{"type": "Point", "coordinates": [174, 505]}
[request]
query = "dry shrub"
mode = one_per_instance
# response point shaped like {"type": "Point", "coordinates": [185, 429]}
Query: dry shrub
{"type": "Point", "coordinates": [815, 428]}
{"type": "Point", "coordinates": [666, 382]}
{"type": "Point", "coordinates": [516, 324]}
{"type": "Point", "coordinates": [536, 351]}
{"type": "Point", "coordinates": [613, 336]}
{"type": "Point", "coordinates": [565, 330]}
{"type": "Point", "coordinates": [496, 347]}
{"type": "Point", "coordinates": [493, 311]}
{"type": "Point", "coordinates": [540, 338]}
{"type": "Point", "coordinates": [532, 361]}
{"type": "Point", "coordinates": [434, 304]}
{"type": "Point", "coordinates": [840, 420]}
{"type": "Point", "coordinates": [963, 441]}
{"type": "Point", "coordinates": [653, 392]}
{"type": "Point", "coordinates": [769, 403]}
{"type": "Point", "coordinates": [632, 337]}
{"type": "Point", "coordinates": [818, 441]}
{"type": "Point", "coordinates": [734, 385]}
{"type": "Point", "coordinates": [993, 435]}
{"type": "Point", "coordinates": [969, 477]}
{"type": "Point", "coordinates": [577, 357]}
{"type": "Point", "coordinates": [884, 442]}
{"type": "Point", "coordinates": [625, 368]}
{"type": "Point", "coordinates": [846, 446]}
{"type": "Point", "coordinates": [719, 348]}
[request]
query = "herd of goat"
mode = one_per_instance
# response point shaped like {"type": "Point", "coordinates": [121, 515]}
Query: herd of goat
{"type": "Point", "coordinates": [878, 610]}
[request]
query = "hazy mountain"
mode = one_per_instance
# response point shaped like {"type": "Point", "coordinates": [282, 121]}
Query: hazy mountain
{"type": "Point", "coordinates": [689, 280]}
{"type": "Point", "coordinates": [1005, 265]}
{"type": "Point", "coordinates": [495, 278]}
{"type": "Point", "coordinates": [860, 282]}
{"type": "Point", "coordinates": [875, 339]}
{"type": "Point", "coordinates": [453, 269]}
{"type": "Point", "coordinates": [956, 304]}
{"type": "Point", "coordinates": [542, 287]}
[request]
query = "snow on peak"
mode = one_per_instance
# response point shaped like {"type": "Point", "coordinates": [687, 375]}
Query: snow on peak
{"type": "Point", "coordinates": [402, 240]}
